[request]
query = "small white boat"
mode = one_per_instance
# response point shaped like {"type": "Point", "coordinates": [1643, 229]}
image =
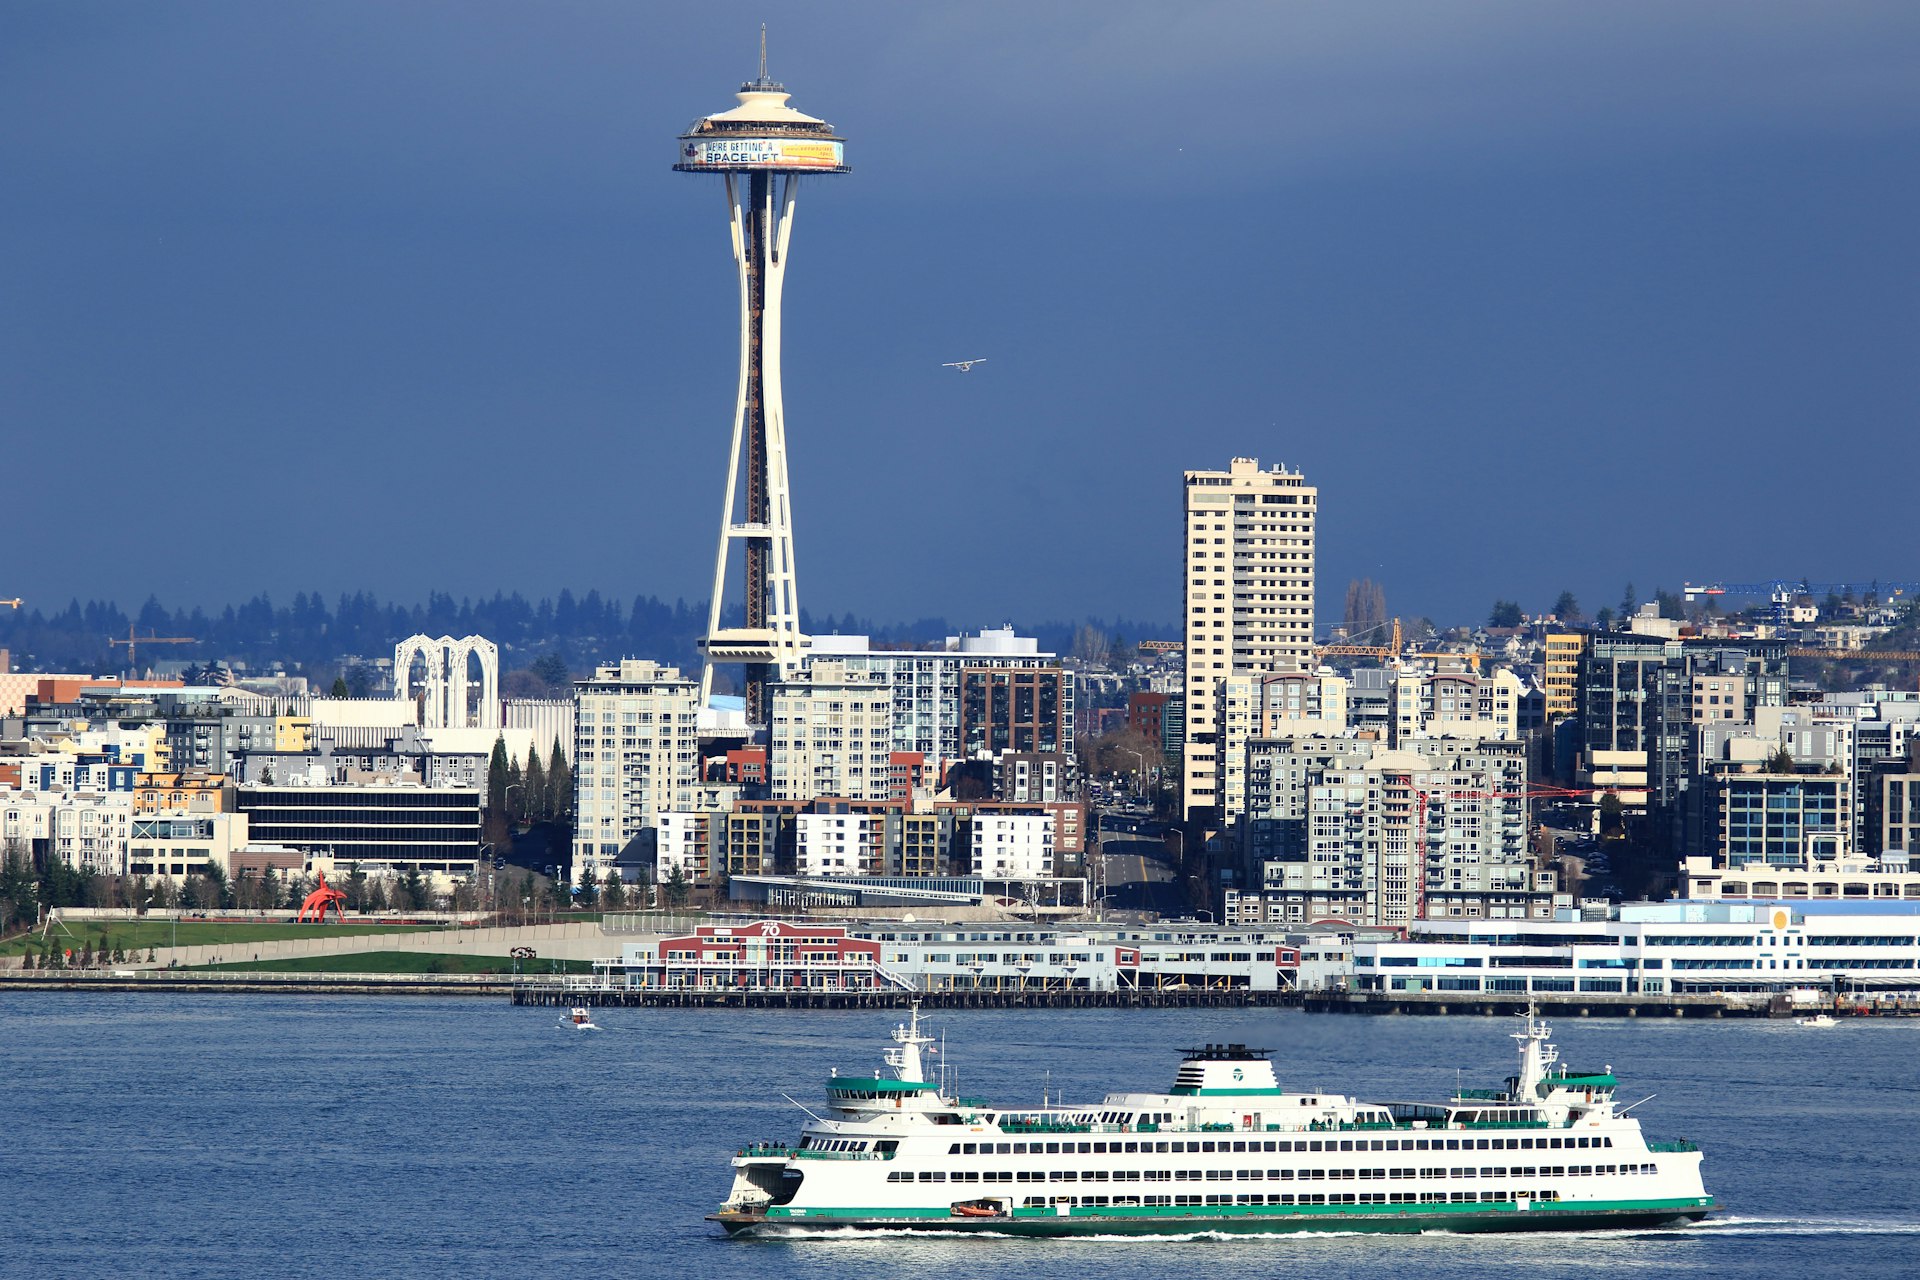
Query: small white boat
{"type": "Point", "coordinates": [581, 1020]}
{"type": "Point", "coordinates": [1818, 1020]}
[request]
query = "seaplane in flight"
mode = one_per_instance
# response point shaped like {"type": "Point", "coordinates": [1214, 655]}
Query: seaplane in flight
{"type": "Point", "coordinates": [963, 366]}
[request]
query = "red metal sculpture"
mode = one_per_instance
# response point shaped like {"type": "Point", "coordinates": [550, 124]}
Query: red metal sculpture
{"type": "Point", "coordinates": [320, 899]}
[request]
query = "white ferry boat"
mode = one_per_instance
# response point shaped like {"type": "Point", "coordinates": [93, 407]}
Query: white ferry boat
{"type": "Point", "coordinates": [1226, 1149]}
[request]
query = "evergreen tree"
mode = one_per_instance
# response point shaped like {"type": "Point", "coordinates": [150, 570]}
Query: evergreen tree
{"type": "Point", "coordinates": [613, 892]}
{"type": "Point", "coordinates": [677, 886]}
{"type": "Point", "coordinates": [1566, 608]}
{"type": "Point", "coordinates": [516, 792]}
{"type": "Point", "coordinates": [414, 888]}
{"type": "Point", "coordinates": [535, 783]}
{"type": "Point", "coordinates": [497, 832]}
{"type": "Point", "coordinates": [222, 890]}
{"type": "Point", "coordinates": [18, 892]}
{"type": "Point", "coordinates": [559, 784]}
{"type": "Point", "coordinates": [588, 893]}
{"type": "Point", "coordinates": [1629, 603]}
{"type": "Point", "coordinates": [339, 689]}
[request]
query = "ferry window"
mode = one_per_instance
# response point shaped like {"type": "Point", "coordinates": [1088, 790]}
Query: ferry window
{"type": "Point", "coordinates": [1241, 1146]}
{"type": "Point", "coordinates": [1019, 1148]}
{"type": "Point", "coordinates": [1160, 1146]}
{"type": "Point", "coordinates": [1606, 1142]}
{"type": "Point", "coordinates": [1132, 1147]}
{"type": "Point", "coordinates": [1053, 1148]}
{"type": "Point", "coordinates": [1100, 1148]}
{"type": "Point", "coordinates": [1314, 1145]}
{"type": "Point", "coordinates": [970, 1149]}
{"type": "Point", "coordinates": [1346, 1145]}
{"type": "Point", "coordinates": [1005, 1149]}
{"type": "Point", "coordinates": [1481, 1145]}
{"type": "Point", "coordinates": [954, 1150]}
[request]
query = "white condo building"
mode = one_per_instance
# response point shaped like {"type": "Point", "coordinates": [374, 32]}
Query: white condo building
{"type": "Point", "coordinates": [839, 844]}
{"type": "Point", "coordinates": [831, 734]}
{"type": "Point", "coordinates": [1249, 599]}
{"type": "Point", "coordinates": [1009, 846]}
{"type": "Point", "coordinates": [636, 756]}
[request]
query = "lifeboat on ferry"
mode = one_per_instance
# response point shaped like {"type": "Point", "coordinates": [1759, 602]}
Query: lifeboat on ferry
{"type": "Point", "coordinates": [978, 1209]}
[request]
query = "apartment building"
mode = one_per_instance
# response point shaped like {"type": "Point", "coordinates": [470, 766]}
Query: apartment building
{"type": "Point", "coordinates": [636, 755]}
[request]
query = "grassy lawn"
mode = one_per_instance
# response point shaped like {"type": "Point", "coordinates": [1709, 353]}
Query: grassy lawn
{"type": "Point", "coordinates": [398, 962]}
{"type": "Point", "coordinates": [129, 935]}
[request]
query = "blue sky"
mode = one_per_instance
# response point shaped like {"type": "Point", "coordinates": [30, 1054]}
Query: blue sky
{"type": "Point", "coordinates": [406, 296]}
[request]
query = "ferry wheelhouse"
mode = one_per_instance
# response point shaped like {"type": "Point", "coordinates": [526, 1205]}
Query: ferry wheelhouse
{"type": "Point", "coordinates": [1226, 1148]}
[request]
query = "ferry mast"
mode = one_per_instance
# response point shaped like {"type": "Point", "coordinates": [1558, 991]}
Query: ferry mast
{"type": "Point", "coordinates": [762, 147]}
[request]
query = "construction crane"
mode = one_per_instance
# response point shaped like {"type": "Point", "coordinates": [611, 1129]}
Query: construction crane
{"type": "Point", "coordinates": [1163, 646]}
{"type": "Point", "coordinates": [1381, 651]}
{"type": "Point", "coordinates": [1857, 655]}
{"type": "Point", "coordinates": [133, 642]}
{"type": "Point", "coordinates": [13, 603]}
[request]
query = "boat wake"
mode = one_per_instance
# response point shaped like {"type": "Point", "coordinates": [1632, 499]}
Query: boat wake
{"type": "Point", "coordinates": [1802, 1227]}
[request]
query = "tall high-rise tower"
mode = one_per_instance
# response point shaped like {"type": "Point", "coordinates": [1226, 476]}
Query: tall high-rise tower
{"type": "Point", "coordinates": [762, 147]}
{"type": "Point", "coordinates": [1249, 589]}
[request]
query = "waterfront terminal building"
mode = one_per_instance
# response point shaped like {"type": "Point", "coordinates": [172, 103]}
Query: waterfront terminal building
{"type": "Point", "coordinates": [1655, 949]}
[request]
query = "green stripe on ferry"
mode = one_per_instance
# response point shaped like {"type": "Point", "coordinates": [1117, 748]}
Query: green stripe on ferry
{"type": "Point", "coordinates": [1451, 1210]}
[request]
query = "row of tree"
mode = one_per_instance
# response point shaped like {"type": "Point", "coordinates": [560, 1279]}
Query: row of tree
{"type": "Point", "coordinates": [25, 891]}
{"type": "Point", "coordinates": [310, 635]}
{"type": "Point", "coordinates": [539, 793]}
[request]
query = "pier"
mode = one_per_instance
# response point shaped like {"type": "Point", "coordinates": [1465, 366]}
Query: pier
{"type": "Point", "coordinates": [565, 994]}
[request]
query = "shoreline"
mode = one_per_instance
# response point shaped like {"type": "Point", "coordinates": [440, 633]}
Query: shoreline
{"type": "Point", "coordinates": [543, 992]}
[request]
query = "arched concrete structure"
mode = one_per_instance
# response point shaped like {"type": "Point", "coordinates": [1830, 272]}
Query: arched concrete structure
{"type": "Point", "coordinates": [446, 683]}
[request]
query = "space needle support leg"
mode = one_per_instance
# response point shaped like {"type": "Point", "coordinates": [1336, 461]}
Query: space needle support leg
{"type": "Point", "coordinates": [714, 601]}
{"type": "Point", "coordinates": [786, 605]}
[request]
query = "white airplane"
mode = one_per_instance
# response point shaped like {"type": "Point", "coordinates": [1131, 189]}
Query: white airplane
{"type": "Point", "coordinates": [963, 365]}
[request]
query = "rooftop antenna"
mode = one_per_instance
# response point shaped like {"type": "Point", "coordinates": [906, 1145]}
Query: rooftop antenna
{"type": "Point", "coordinates": [763, 53]}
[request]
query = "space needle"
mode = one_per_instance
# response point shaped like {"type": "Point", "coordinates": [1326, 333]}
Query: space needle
{"type": "Point", "coordinates": [757, 146]}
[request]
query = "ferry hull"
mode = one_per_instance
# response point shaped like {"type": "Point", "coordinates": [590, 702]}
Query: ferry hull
{"type": "Point", "coordinates": [1612, 1217]}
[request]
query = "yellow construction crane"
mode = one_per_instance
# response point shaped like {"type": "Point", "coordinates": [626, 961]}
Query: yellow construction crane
{"type": "Point", "coordinates": [1384, 652]}
{"type": "Point", "coordinates": [13, 603]}
{"type": "Point", "coordinates": [133, 642]}
{"type": "Point", "coordinates": [1853, 655]}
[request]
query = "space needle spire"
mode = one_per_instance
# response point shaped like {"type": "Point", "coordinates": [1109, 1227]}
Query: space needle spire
{"type": "Point", "coordinates": [762, 147]}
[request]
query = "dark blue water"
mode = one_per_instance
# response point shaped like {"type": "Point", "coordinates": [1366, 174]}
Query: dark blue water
{"type": "Point", "coordinates": [258, 1136]}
